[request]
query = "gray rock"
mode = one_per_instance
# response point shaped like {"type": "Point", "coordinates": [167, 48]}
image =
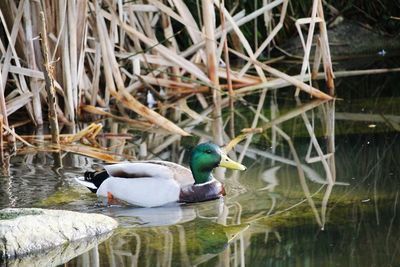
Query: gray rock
{"type": "Point", "coordinates": [27, 231]}
{"type": "Point", "coordinates": [57, 255]}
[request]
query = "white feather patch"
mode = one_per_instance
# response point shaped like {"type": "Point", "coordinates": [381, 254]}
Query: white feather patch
{"type": "Point", "coordinates": [81, 180]}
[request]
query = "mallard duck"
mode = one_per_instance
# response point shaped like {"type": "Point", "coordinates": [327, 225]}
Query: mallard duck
{"type": "Point", "coordinates": [156, 183]}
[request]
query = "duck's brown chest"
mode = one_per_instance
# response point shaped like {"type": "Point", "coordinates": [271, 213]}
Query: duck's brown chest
{"type": "Point", "coordinates": [202, 192]}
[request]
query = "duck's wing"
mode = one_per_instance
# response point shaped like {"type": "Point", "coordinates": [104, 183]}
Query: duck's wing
{"type": "Point", "coordinates": [181, 174]}
{"type": "Point", "coordinates": [151, 169]}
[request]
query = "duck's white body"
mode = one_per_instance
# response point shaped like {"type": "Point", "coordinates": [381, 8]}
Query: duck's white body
{"type": "Point", "coordinates": [146, 184]}
{"type": "Point", "coordinates": [145, 192]}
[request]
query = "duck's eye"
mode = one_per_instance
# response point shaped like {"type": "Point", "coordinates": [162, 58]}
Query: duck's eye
{"type": "Point", "coordinates": [208, 151]}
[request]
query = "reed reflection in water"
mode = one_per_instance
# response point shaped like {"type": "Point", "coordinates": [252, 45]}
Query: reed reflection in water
{"type": "Point", "coordinates": [219, 233]}
{"type": "Point", "coordinates": [293, 206]}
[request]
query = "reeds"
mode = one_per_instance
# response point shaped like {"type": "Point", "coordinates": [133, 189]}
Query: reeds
{"type": "Point", "coordinates": [112, 58]}
{"type": "Point", "coordinates": [141, 64]}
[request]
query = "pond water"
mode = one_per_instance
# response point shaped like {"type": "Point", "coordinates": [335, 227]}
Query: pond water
{"type": "Point", "coordinates": [270, 216]}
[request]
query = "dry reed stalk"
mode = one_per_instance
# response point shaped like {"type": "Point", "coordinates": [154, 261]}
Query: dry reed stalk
{"type": "Point", "coordinates": [113, 74]}
{"type": "Point", "coordinates": [325, 50]}
{"type": "Point", "coordinates": [31, 62]}
{"type": "Point", "coordinates": [173, 45]}
{"type": "Point", "coordinates": [91, 152]}
{"type": "Point", "coordinates": [112, 143]}
{"type": "Point", "coordinates": [185, 17]}
{"type": "Point", "coordinates": [330, 136]}
{"type": "Point", "coordinates": [228, 76]}
{"type": "Point", "coordinates": [72, 55]}
{"type": "Point", "coordinates": [307, 45]}
{"type": "Point", "coordinates": [136, 85]}
{"type": "Point", "coordinates": [168, 54]}
{"type": "Point", "coordinates": [66, 71]}
{"type": "Point", "coordinates": [212, 67]}
{"type": "Point", "coordinates": [274, 114]}
{"type": "Point", "coordinates": [12, 133]}
{"type": "Point", "coordinates": [349, 73]}
{"type": "Point", "coordinates": [49, 78]}
{"type": "Point", "coordinates": [222, 40]}
{"type": "Point", "coordinates": [317, 60]}
{"type": "Point", "coordinates": [1, 140]}
{"type": "Point", "coordinates": [317, 16]}
{"type": "Point", "coordinates": [189, 123]}
{"type": "Point", "coordinates": [291, 114]}
{"type": "Point", "coordinates": [120, 149]}
{"type": "Point", "coordinates": [152, 59]}
{"type": "Point", "coordinates": [280, 83]}
{"type": "Point", "coordinates": [317, 147]}
{"type": "Point", "coordinates": [302, 178]}
{"type": "Point", "coordinates": [312, 175]}
{"type": "Point", "coordinates": [107, 72]}
{"type": "Point", "coordinates": [239, 19]}
{"type": "Point", "coordinates": [190, 24]}
{"type": "Point", "coordinates": [324, 204]}
{"type": "Point", "coordinates": [366, 117]}
{"type": "Point", "coordinates": [142, 125]}
{"type": "Point", "coordinates": [243, 40]}
{"type": "Point", "coordinates": [270, 37]}
{"type": "Point", "coordinates": [167, 142]}
{"type": "Point", "coordinates": [3, 107]}
{"type": "Point", "coordinates": [27, 72]}
{"type": "Point", "coordinates": [96, 75]}
{"type": "Point", "coordinates": [253, 124]}
{"type": "Point", "coordinates": [236, 78]}
{"type": "Point", "coordinates": [307, 88]}
{"type": "Point", "coordinates": [182, 106]}
{"type": "Point", "coordinates": [169, 83]}
{"type": "Point", "coordinates": [12, 53]}
{"type": "Point", "coordinates": [89, 133]}
{"type": "Point", "coordinates": [17, 102]}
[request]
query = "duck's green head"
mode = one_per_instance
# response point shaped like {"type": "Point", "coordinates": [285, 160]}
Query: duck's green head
{"type": "Point", "coordinates": [207, 156]}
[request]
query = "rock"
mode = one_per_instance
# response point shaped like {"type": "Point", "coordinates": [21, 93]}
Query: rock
{"type": "Point", "coordinates": [58, 255]}
{"type": "Point", "coordinates": [28, 231]}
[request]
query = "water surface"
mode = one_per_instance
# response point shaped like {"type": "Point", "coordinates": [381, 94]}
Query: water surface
{"type": "Point", "coordinates": [270, 217]}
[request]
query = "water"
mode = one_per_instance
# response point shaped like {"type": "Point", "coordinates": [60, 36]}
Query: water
{"type": "Point", "coordinates": [268, 218]}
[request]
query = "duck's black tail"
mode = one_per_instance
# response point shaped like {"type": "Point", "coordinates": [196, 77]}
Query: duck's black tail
{"type": "Point", "coordinates": [93, 180]}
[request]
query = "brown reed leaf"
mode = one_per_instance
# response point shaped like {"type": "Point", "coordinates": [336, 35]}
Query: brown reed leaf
{"type": "Point", "coordinates": [90, 152]}
{"type": "Point", "coordinates": [135, 123]}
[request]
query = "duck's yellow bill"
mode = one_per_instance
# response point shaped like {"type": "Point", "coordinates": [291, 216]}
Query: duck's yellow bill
{"type": "Point", "coordinates": [226, 162]}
